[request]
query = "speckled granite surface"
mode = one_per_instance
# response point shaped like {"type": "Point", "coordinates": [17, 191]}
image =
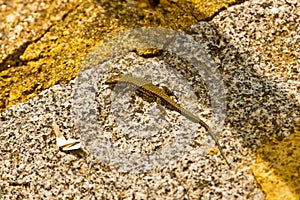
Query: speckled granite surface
{"type": "Point", "coordinates": [260, 69]}
{"type": "Point", "coordinates": [267, 36]}
{"type": "Point", "coordinates": [44, 43]}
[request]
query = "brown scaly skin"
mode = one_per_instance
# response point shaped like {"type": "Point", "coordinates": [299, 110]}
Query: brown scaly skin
{"type": "Point", "coordinates": [146, 87]}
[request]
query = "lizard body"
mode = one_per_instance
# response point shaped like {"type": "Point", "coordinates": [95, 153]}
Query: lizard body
{"type": "Point", "coordinates": [146, 87]}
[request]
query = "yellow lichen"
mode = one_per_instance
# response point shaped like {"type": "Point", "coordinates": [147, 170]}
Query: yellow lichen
{"type": "Point", "coordinates": [277, 167]}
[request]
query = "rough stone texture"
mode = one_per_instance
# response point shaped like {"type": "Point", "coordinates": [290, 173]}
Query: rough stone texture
{"type": "Point", "coordinates": [41, 170]}
{"type": "Point", "coordinates": [267, 36]}
{"type": "Point", "coordinates": [277, 167]}
{"type": "Point", "coordinates": [260, 69]}
{"type": "Point", "coordinates": [204, 9]}
{"type": "Point", "coordinates": [50, 49]}
{"type": "Point", "coordinates": [23, 22]}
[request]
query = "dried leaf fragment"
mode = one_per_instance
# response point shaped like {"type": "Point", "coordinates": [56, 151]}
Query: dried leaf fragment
{"type": "Point", "coordinates": [66, 145]}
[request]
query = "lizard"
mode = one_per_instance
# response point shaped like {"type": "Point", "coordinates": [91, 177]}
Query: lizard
{"type": "Point", "coordinates": [146, 87]}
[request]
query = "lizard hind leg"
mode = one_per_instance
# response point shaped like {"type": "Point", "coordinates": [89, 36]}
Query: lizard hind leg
{"type": "Point", "coordinates": [168, 92]}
